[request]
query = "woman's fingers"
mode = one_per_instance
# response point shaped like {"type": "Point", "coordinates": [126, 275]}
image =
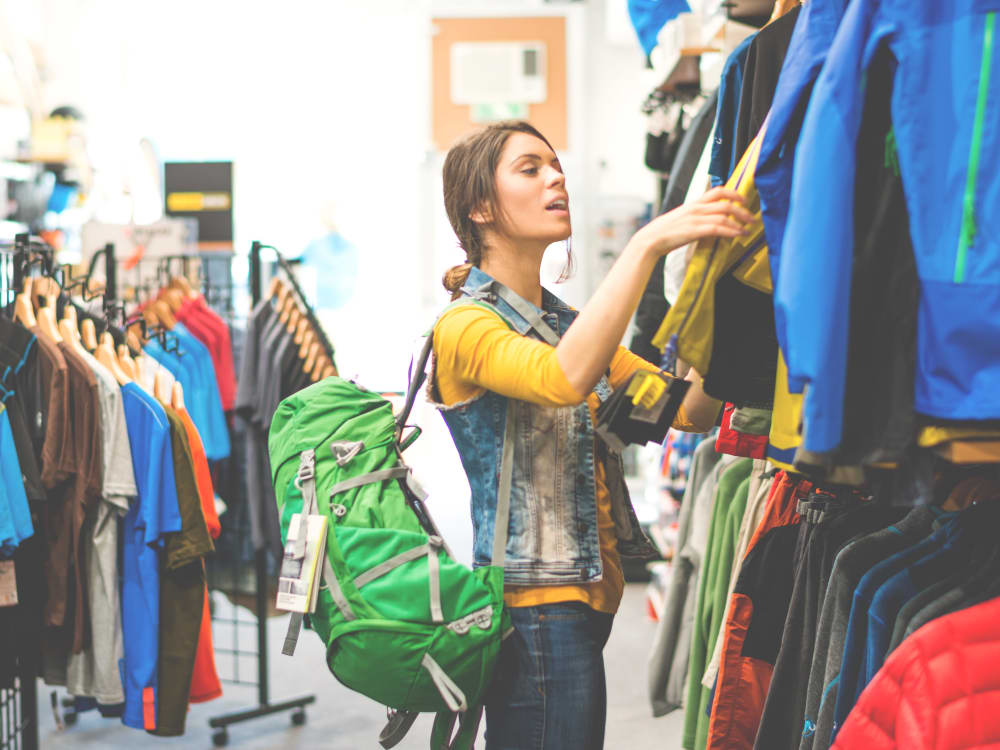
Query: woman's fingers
{"type": "Point", "coordinates": [722, 194]}
{"type": "Point", "coordinates": [725, 208]}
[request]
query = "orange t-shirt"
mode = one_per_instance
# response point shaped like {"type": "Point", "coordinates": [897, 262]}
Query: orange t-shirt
{"type": "Point", "coordinates": [205, 683]}
{"type": "Point", "coordinates": [476, 351]}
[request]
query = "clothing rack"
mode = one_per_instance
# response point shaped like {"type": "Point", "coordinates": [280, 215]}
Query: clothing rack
{"type": "Point", "coordinates": [18, 704]}
{"type": "Point", "coordinates": [232, 621]}
{"type": "Point", "coordinates": [256, 274]}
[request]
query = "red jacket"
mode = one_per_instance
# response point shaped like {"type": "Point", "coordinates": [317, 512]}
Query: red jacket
{"type": "Point", "coordinates": [940, 689]}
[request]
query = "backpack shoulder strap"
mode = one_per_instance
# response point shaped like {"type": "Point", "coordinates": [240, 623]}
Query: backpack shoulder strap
{"type": "Point", "coordinates": [418, 370]}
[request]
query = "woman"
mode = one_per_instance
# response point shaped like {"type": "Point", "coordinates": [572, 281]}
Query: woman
{"type": "Point", "coordinates": [512, 358]}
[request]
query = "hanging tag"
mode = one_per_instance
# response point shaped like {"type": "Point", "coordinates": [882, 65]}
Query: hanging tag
{"type": "Point", "coordinates": [8, 584]}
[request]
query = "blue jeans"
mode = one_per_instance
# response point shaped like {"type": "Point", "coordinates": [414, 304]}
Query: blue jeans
{"type": "Point", "coordinates": [548, 692]}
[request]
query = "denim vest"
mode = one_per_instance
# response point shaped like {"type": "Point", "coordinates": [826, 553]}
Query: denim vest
{"type": "Point", "coordinates": [552, 535]}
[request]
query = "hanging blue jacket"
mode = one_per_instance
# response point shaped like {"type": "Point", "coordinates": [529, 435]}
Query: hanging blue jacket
{"type": "Point", "coordinates": [814, 32]}
{"type": "Point", "coordinates": [945, 109]}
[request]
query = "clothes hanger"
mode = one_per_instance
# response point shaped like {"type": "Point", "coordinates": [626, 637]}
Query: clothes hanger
{"type": "Point", "coordinates": [293, 321]}
{"type": "Point", "coordinates": [23, 310]}
{"type": "Point", "coordinates": [47, 324]}
{"type": "Point", "coordinates": [300, 329]}
{"type": "Point", "coordinates": [164, 313]}
{"type": "Point", "coordinates": [177, 396]}
{"type": "Point", "coordinates": [310, 364]}
{"type": "Point", "coordinates": [127, 363]}
{"type": "Point", "coordinates": [174, 299]}
{"type": "Point", "coordinates": [781, 7]}
{"type": "Point", "coordinates": [277, 288]}
{"type": "Point", "coordinates": [161, 387]}
{"type": "Point", "coordinates": [183, 286]}
{"type": "Point", "coordinates": [105, 354]}
{"type": "Point", "coordinates": [308, 339]}
{"type": "Point", "coordinates": [70, 334]}
{"type": "Point", "coordinates": [88, 334]}
{"type": "Point", "coordinates": [286, 310]}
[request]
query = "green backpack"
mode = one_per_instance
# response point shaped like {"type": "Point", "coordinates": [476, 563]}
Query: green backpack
{"type": "Point", "coordinates": [403, 622]}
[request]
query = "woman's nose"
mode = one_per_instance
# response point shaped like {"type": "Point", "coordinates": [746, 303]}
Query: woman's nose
{"type": "Point", "coordinates": [555, 177]}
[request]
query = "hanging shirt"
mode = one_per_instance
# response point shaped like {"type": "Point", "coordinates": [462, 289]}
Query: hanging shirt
{"type": "Point", "coordinates": [205, 683]}
{"type": "Point", "coordinates": [153, 514]}
{"type": "Point", "coordinates": [945, 51]}
{"type": "Point", "coordinates": [182, 591]}
{"type": "Point", "coordinates": [724, 156]}
{"type": "Point", "coordinates": [94, 672]}
{"type": "Point", "coordinates": [15, 516]}
{"type": "Point", "coordinates": [760, 78]}
{"type": "Point", "coordinates": [811, 39]}
{"type": "Point", "coordinates": [196, 374]}
{"type": "Point", "coordinates": [208, 326]}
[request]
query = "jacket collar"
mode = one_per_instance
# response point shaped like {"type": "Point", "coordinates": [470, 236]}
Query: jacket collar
{"type": "Point", "coordinates": [480, 285]}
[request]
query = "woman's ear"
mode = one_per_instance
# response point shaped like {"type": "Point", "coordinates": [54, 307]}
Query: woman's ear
{"type": "Point", "coordinates": [481, 214]}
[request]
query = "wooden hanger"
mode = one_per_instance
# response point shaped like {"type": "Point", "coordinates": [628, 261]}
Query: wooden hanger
{"type": "Point", "coordinates": [23, 309]}
{"type": "Point", "coordinates": [174, 299]}
{"type": "Point", "coordinates": [69, 334]}
{"type": "Point", "coordinates": [300, 330]}
{"type": "Point", "coordinates": [294, 319]}
{"type": "Point", "coordinates": [308, 339]}
{"type": "Point", "coordinates": [311, 358]}
{"type": "Point", "coordinates": [47, 324]}
{"type": "Point", "coordinates": [105, 354]}
{"type": "Point", "coordinates": [142, 367]}
{"type": "Point", "coordinates": [184, 286]}
{"type": "Point", "coordinates": [322, 363]}
{"type": "Point", "coordinates": [286, 310]}
{"type": "Point", "coordinates": [133, 337]}
{"type": "Point", "coordinates": [781, 7]}
{"type": "Point", "coordinates": [165, 314]}
{"type": "Point", "coordinates": [88, 334]}
{"type": "Point", "coordinates": [161, 386]}
{"type": "Point", "coordinates": [177, 396]}
{"type": "Point", "coordinates": [277, 288]}
{"type": "Point", "coordinates": [69, 313]}
{"type": "Point", "coordinates": [127, 363]}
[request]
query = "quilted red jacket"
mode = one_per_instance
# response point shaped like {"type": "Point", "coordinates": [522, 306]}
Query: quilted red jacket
{"type": "Point", "coordinates": [940, 689]}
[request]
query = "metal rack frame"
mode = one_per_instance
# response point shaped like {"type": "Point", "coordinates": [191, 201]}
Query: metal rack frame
{"type": "Point", "coordinates": [18, 704]}
{"type": "Point", "coordinates": [264, 705]}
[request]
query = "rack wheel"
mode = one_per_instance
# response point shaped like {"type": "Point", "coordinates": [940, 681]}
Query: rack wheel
{"type": "Point", "coordinates": [299, 717]}
{"type": "Point", "coordinates": [220, 738]}
{"type": "Point", "coordinates": [70, 717]}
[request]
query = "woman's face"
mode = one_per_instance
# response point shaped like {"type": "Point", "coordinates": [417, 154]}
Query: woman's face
{"type": "Point", "coordinates": [531, 190]}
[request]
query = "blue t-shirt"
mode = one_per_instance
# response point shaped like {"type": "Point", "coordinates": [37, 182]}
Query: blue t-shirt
{"type": "Point", "coordinates": [15, 516]}
{"type": "Point", "coordinates": [195, 372]}
{"type": "Point", "coordinates": [153, 514]}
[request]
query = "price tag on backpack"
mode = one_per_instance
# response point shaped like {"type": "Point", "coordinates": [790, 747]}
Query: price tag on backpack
{"type": "Point", "coordinates": [8, 584]}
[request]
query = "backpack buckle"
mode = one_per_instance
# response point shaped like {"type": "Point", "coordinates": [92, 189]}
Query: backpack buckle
{"type": "Point", "coordinates": [307, 467]}
{"type": "Point", "coordinates": [338, 510]}
{"type": "Point", "coordinates": [344, 452]}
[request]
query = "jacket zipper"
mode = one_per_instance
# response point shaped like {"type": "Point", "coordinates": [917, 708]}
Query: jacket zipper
{"type": "Point", "coordinates": [968, 232]}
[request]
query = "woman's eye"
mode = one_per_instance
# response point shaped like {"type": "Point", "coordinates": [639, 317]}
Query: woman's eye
{"type": "Point", "coordinates": [530, 170]}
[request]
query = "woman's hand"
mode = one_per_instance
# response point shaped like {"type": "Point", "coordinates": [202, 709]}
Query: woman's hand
{"type": "Point", "coordinates": [718, 213]}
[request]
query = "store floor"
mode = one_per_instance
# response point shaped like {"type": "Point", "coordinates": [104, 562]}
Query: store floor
{"type": "Point", "coordinates": [343, 720]}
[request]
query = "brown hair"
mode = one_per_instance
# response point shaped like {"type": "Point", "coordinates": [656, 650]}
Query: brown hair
{"type": "Point", "coordinates": [470, 184]}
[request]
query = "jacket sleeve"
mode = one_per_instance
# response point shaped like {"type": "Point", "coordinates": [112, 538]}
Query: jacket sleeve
{"type": "Point", "coordinates": [896, 710]}
{"type": "Point", "coordinates": [814, 280]}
